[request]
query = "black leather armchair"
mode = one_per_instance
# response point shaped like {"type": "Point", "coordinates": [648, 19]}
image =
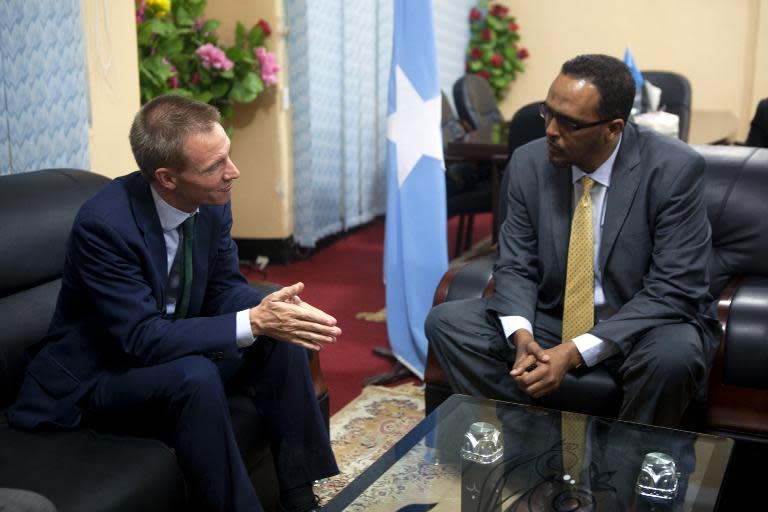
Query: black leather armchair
{"type": "Point", "coordinates": [85, 470]}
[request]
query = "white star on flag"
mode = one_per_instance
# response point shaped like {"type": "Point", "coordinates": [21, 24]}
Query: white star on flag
{"type": "Point", "coordinates": [414, 127]}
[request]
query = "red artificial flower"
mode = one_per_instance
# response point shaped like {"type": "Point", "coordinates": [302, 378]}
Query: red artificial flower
{"type": "Point", "coordinates": [496, 60]}
{"type": "Point", "coordinates": [264, 27]}
{"type": "Point", "coordinates": [475, 14]}
{"type": "Point", "coordinates": [483, 73]}
{"type": "Point", "coordinates": [487, 34]}
{"type": "Point", "coordinates": [499, 11]}
{"type": "Point", "coordinates": [513, 26]}
{"type": "Point", "coordinates": [522, 53]}
{"type": "Point", "coordinates": [475, 53]}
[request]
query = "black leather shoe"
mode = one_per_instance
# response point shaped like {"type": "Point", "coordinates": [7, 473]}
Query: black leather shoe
{"type": "Point", "coordinates": [314, 507]}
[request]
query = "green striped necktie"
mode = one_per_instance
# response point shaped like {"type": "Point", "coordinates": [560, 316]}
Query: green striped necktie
{"type": "Point", "coordinates": [186, 270]}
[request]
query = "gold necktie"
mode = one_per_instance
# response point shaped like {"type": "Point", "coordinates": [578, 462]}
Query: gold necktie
{"type": "Point", "coordinates": [578, 315]}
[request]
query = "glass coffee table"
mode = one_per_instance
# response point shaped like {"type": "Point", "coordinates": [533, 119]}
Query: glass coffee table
{"type": "Point", "coordinates": [480, 455]}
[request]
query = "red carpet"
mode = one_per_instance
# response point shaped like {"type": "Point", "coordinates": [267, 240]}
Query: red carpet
{"type": "Point", "coordinates": [343, 279]}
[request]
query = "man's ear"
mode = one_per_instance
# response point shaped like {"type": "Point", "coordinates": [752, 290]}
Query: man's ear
{"type": "Point", "coordinates": [165, 178]}
{"type": "Point", "coordinates": [615, 128]}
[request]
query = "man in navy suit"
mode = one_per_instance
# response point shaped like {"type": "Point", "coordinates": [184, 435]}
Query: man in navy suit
{"type": "Point", "coordinates": [129, 339]}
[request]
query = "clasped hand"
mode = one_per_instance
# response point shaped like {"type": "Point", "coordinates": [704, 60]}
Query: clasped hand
{"type": "Point", "coordinates": [537, 371]}
{"type": "Point", "coordinates": [282, 315]}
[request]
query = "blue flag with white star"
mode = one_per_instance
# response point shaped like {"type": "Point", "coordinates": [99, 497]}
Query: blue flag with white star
{"type": "Point", "coordinates": [629, 60]}
{"type": "Point", "coordinates": [415, 241]}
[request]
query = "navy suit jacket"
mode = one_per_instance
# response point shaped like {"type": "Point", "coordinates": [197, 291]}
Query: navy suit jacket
{"type": "Point", "coordinates": [110, 313]}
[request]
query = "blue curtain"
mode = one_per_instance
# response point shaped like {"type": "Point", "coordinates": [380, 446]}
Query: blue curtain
{"type": "Point", "coordinates": [339, 54]}
{"type": "Point", "coordinates": [43, 86]}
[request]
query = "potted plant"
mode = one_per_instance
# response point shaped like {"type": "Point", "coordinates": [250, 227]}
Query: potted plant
{"type": "Point", "coordinates": [179, 53]}
{"type": "Point", "coordinates": [493, 52]}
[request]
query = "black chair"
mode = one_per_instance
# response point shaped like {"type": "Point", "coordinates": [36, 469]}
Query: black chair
{"type": "Point", "coordinates": [467, 185]}
{"type": "Point", "coordinates": [758, 129]}
{"type": "Point", "coordinates": [526, 125]}
{"type": "Point", "coordinates": [675, 97]}
{"type": "Point", "coordinates": [475, 102]}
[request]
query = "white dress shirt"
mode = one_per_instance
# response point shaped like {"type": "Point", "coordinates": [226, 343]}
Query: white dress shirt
{"type": "Point", "coordinates": [592, 349]}
{"type": "Point", "coordinates": [170, 220]}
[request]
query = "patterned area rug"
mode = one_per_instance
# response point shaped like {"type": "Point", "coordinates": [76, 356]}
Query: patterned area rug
{"type": "Point", "coordinates": [369, 426]}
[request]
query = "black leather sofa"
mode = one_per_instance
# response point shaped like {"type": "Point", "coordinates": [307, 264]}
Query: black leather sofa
{"type": "Point", "coordinates": [85, 470]}
{"type": "Point", "coordinates": [736, 193]}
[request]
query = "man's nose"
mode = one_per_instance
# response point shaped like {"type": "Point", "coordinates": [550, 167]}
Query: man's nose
{"type": "Point", "coordinates": [232, 172]}
{"type": "Point", "coordinates": [551, 128]}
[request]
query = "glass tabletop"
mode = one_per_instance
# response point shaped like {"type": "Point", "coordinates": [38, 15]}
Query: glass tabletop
{"type": "Point", "coordinates": [473, 454]}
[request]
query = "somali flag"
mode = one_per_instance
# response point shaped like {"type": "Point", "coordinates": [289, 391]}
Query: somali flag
{"type": "Point", "coordinates": [629, 60]}
{"type": "Point", "coordinates": [415, 241]}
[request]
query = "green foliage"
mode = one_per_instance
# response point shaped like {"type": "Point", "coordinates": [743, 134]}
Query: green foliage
{"type": "Point", "coordinates": [169, 35]}
{"type": "Point", "coordinates": [493, 50]}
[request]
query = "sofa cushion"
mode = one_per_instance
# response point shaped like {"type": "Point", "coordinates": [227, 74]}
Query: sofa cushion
{"type": "Point", "coordinates": [86, 471]}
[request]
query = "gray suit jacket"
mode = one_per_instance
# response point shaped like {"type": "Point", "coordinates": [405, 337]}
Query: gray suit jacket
{"type": "Point", "coordinates": [654, 248]}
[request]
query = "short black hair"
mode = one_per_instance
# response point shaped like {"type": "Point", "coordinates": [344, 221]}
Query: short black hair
{"type": "Point", "coordinates": [161, 127]}
{"type": "Point", "coordinates": [612, 79]}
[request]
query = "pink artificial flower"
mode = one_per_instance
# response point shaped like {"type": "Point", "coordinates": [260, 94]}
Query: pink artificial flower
{"type": "Point", "coordinates": [140, 11]}
{"type": "Point", "coordinates": [269, 67]}
{"type": "Point", "coordinates": [195, 79]}
{"type": "Point", "coordinates": [198, 25]}
{"type": "Point", "coordinates": [213, 57]}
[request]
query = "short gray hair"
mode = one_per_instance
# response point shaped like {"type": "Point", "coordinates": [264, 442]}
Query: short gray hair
{"type": "Point", "coordinates": [160, 128]}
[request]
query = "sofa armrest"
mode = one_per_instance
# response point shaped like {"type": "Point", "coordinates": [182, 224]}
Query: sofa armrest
{"type": "Point", "coordinates": [471, 280]}
{"type": "Point", "coordinates": [733, 407]}
{"type": "Point", "coordinates": [745, 354]}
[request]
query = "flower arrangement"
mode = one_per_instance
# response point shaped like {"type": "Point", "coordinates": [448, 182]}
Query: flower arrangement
{"type": "Point", "coordinates": [179, 52]}
{"type": "Point", "coordinates": [493, 52]}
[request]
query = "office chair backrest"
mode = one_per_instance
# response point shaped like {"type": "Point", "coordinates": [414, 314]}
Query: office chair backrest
{"type": "Point", "coordinates": [675, 97]}
{"type": "Point", "coordinates": [758, 128]}
{"type": "Point", "coordinates": [450, 124]}
{"type": "Point", "coordinates": [526, 125]}
{"type": "Point", "coordinates": [475, 102]}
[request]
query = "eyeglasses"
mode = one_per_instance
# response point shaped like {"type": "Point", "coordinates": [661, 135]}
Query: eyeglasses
{"type": "Point", "coordinates": [565, 123]}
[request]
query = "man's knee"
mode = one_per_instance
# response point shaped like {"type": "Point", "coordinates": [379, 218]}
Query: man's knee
{"type": "Point", "coordinates": [196, 373]}
{"type": "Point", "coordinates": [436, 320]}
{"type": "Point", "coordinates": [449, 317]}
{"type": "Point", "coordinates": [676, 353]}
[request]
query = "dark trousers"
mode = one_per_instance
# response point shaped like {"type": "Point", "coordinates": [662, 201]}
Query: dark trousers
{"type": "Point", "coordinates": [185, 400]}
{"type": "Point", "coordinates": [660, 375]}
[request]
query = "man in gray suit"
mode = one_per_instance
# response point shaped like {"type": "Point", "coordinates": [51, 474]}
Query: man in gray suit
{"type": "Point", "coordinates": [651, 241]}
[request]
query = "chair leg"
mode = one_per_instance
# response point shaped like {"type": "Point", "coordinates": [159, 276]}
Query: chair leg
{"type": "Point", "coordinates": [470, 225]}
{"type": "Point", "coordinates": [459, 236]}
